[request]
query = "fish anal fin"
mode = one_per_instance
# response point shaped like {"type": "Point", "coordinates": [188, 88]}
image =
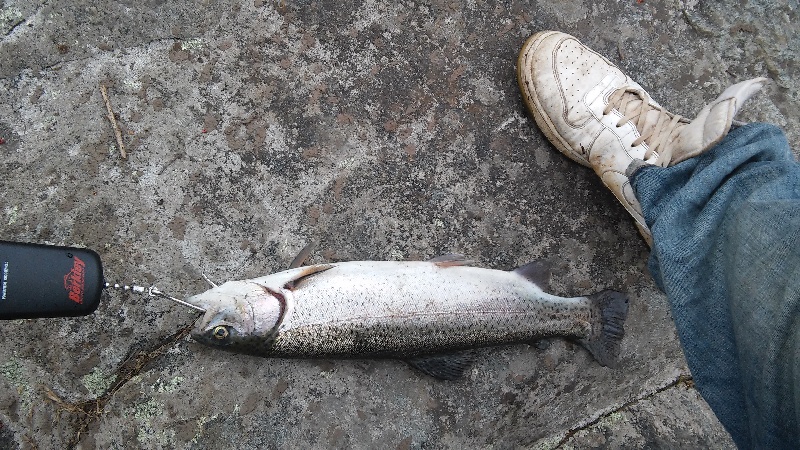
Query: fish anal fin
{"type": "Point", "coordinates": [444, 367]}
{"type": "Point", "coordinates": [303, 275]}
{"type": "Point", "coordinates": [537, 272]}
{"type": "Point", "coordinates": [450, 260]}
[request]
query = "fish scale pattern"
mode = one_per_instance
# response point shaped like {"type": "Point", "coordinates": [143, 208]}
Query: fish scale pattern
{"type": "Point", "coordinates": [408, 309]}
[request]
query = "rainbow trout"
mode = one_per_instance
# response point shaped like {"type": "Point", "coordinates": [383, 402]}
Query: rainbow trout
{"type": "Point", "coordinates": [429, 313]}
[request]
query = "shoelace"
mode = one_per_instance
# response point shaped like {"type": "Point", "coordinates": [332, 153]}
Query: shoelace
{"type": "Point", "coordinates": [633, 104]}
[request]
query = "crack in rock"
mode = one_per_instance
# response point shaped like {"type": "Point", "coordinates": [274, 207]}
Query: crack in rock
{"type": "Point", "coordinates": [682, 379]}
{"type": "Point", "coordinates": [25, 20]}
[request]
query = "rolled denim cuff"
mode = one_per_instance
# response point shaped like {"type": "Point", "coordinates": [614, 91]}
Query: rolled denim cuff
{"type": "Point", "coordinates": [634, 167]}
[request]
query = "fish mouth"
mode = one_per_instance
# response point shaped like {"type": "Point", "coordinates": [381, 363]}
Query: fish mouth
{"type": "Point", "coordinates": [203, 321]}
{"type": "Point", "coordinates": [199, 327]}
{"type": "Point", "coordinates": [199, 336]}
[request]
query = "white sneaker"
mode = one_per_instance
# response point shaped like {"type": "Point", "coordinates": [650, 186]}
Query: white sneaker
{"type": "Point", "coordinates": [596, 115]}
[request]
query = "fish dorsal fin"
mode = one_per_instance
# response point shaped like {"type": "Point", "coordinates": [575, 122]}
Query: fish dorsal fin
{"type": "Point", "coordinates": [445, 367]}
{"type": "Point", "coordinates": [537, 272]}
{"type": "Point", "coordinates": [301, 276]}
{"type": "Point", "coordinates": [303, 255]}
{"type": "Point", "coordinates": [450, 260]}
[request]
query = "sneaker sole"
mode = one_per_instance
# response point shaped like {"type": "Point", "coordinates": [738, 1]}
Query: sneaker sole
{"type": "Point", "coordinates": [528, 91]}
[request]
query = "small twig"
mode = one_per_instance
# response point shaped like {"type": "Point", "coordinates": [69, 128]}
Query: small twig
{"type": "Point", "coordinates": [113, 120]}
{"type": "Point", "coordinates": [30, 441]}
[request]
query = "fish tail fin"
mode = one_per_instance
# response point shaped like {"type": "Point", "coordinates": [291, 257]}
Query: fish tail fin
{"type": "Point", "coordinates": [611, 308]}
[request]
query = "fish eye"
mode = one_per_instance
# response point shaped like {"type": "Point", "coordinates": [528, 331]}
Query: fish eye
{"type": "Point", "coordinates": [220, 332]}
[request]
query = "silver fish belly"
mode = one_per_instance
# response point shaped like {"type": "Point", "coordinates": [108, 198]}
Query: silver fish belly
{"type": "Point", "coordinates": [409, 310]}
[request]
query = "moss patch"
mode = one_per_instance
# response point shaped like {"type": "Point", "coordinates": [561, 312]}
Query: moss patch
{"type": "Point", "coordinates": [97, 382]}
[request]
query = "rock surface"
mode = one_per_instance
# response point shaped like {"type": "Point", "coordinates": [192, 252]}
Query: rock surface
{"type": "Point", "coordinates": [382, 130]}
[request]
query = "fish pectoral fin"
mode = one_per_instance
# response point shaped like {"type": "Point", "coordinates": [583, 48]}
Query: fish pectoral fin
{"type": "Point", "coordinates": [450, 260]}
{"type": "Point", "coordinates": [445, 367]}
{"type": "Point", "coordinates": [294, 283]}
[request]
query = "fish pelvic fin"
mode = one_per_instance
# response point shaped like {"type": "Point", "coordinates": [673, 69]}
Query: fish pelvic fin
{"type": "Point", "coordinates": [603, 343]}
{"type": "Point", "coordinates": [444, 367]}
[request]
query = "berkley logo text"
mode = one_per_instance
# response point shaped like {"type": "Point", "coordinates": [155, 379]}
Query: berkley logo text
{"type": "Point", "coordinates": [74, 280]}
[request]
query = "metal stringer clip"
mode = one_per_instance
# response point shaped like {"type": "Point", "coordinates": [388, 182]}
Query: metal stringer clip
{"type": "Point", "coordinates": [152, 291]}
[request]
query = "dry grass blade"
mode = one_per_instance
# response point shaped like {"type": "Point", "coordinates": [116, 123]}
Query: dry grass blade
{"type": "Point", "coordinates": [112, 118]}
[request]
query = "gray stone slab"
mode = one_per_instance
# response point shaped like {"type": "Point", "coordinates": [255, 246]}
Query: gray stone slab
{"type": "Point", "coordinates": [382, 130]}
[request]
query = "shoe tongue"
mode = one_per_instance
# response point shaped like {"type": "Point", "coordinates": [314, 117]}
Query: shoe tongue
{"type": "Point", "coordinates": [714, 121]}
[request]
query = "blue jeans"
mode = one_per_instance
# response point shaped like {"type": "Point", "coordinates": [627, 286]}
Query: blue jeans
{"type": "Point", "coordinates": [726, 251]}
